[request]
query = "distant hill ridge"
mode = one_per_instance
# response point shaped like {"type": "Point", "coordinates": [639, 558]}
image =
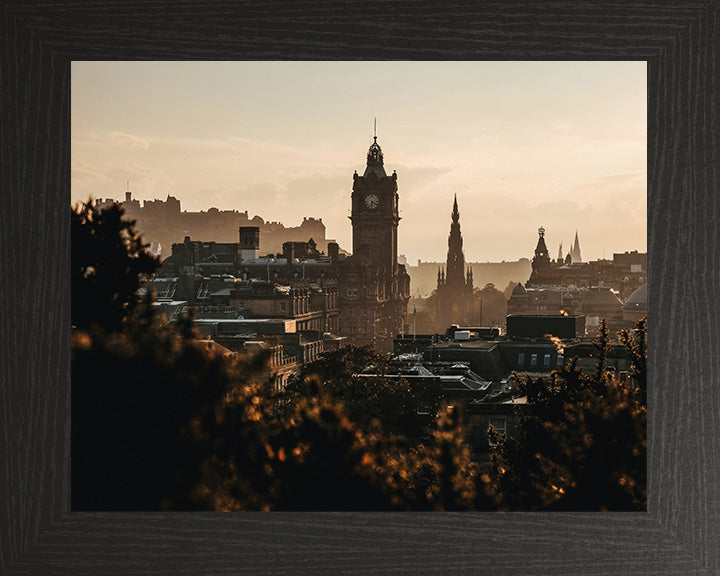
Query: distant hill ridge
{"type": "Point", "coordinates": [423, 277]}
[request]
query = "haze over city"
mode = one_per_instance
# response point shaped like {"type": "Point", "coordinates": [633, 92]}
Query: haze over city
{"type": "Point", "coordinates": [522, 144]}
{"type": "Point", "coordinates": [494, 374]}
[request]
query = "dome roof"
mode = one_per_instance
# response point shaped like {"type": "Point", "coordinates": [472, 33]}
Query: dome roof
{"type": "Point", "coordinates": [638, 299]}
{"type": "Point", "coordinates": [519, 290]}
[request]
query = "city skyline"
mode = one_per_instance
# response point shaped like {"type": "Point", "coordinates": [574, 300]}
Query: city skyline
{"type": "Point", "coordinates": [560, 145]}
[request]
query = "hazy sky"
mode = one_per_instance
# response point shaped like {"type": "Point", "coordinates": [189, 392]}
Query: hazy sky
{"type": "Point", "coordinates": [523, 144]}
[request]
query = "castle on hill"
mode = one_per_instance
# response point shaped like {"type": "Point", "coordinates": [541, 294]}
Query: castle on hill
{"type": "Point", "coordinates": [162, 223]}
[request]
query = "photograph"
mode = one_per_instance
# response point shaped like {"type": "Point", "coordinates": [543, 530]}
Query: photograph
{"type": "Point", "coordinates": [359, 286]}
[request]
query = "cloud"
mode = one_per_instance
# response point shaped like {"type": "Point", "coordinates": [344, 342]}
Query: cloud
{"type": "Point", "coordinates": [127, 140]}
{"type": "Point", "coordinates": [633, 178]}
{"type": "Point", "coordinates": [83, 172]}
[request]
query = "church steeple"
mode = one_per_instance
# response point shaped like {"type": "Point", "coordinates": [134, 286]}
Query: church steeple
{"type": "Point", "coordinates": [575, 253]}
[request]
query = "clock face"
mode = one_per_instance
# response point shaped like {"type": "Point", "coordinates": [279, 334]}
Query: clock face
{"type": "Point", "coordinates": [371, 201]}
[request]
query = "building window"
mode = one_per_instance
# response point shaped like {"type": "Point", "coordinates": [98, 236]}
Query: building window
{"type": "Point", "coordinates": [546, 360]}
{"type": "Point", "coordinates": [533, 360]}
{"type": "Point", "coordinates": [560, 359]}
{"type": "Point", "coordinates": [521, 359]}
{"type": "Point", "coordinates": [500, 427]}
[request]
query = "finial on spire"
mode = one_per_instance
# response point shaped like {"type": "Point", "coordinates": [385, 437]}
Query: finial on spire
{"type": "Point", "coordinates": [455, 215]}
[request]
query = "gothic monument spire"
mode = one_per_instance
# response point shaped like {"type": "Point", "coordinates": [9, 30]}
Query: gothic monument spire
{"type": "Point", "coordinates": [455, 259]}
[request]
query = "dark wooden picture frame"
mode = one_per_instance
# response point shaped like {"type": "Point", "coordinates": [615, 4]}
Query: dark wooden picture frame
{"type": "Point", "coordinates": [680, 533]}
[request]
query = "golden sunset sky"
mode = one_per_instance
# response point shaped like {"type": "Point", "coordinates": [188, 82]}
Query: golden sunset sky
{"type": "Point", "coordinates": [523, 144]}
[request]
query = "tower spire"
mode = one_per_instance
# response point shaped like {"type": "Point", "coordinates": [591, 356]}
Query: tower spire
{"type": "Point", "coordinates": [455, 258]}
{"type": "Point", "coordinates": [575, 253]}
{"type": "Point", "coordinates": [375, 128]}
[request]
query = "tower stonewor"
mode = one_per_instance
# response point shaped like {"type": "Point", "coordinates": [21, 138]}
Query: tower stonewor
{"type": "Point", "coordinates": [375, 215]}
{"type": "Point", "coordinates": [374, 288]}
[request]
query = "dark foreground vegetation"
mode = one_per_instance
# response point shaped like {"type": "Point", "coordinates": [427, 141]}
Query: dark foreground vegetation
{"type": "Point", "coordinates": [158, 422]}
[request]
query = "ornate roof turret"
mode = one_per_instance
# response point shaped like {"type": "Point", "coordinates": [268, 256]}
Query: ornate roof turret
{"type": "Point", "coordinates": [541, 258]}
{"type": "Point", "coordinates": [375, 160]}
{"type": "Point", "coordinates": [541, 248]}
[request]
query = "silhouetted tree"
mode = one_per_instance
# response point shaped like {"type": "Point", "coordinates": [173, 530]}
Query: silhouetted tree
{"type": "Point", "coordinates": [369, 401]}
{"type": "Point", "coordinates": [580, 443]}
{"type": "Point", "coordinates": [138, 396]}
{"type": "Point", "coordinates": [108, 262]}
{"type": "Point", "coordinates": [635, 342]}
{"type": "Point", "coordinates": [316, 458]}
{"type": "Point", "coordinates": [140, 387]}
{"type": "Point", "coordinates": [489, 306]}
{"type": "Point", "coordinates": [313, 458]}
{"type": "Point", "coordinates": [158, 422]}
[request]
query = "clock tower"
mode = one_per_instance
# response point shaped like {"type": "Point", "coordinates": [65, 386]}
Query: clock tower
{"type": "Point", "coordinates": [374, 289]}
{"type": "Point", "coordinates": [375, 215]}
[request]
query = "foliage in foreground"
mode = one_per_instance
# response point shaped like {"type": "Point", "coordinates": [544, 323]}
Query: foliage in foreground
{"type": "Point", "coordinates": [581, 442]}
{"type": "Point", "coordinates": [158, 422]}
{"type": "Point", "coordinates": [368, 401]}
{"type": "Point", "coordinates": [108, 262]}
